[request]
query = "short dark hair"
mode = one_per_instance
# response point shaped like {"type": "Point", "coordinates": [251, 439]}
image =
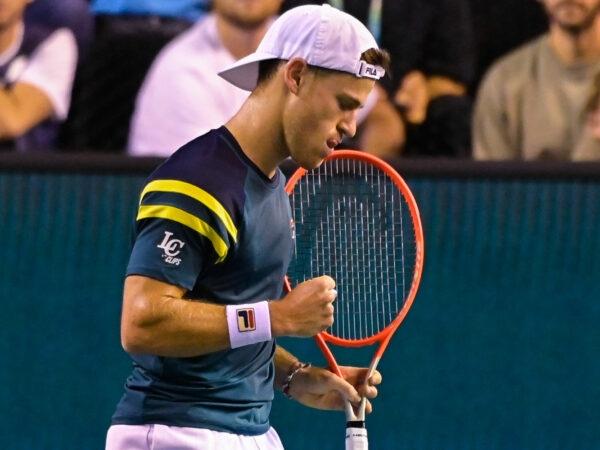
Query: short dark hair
{"type": "Point", "coordinates": [267, 69]}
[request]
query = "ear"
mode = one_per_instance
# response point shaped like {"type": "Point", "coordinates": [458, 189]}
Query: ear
{"type": "Point", "coordinates": [294, 70]}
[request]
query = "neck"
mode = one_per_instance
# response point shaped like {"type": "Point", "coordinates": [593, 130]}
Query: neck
{"type": "Point", "coordinates": [241, 41]}
{"type": "Point", "coordinates": [576, 47]}
{"type": "Point", "coordinates": [258, 129]}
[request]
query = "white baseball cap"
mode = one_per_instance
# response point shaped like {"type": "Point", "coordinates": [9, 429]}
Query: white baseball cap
{"type": "Point", "coordinates": [322, 35]}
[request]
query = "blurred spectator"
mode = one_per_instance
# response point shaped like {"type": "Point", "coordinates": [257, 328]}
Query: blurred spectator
{"type": "Point", "coordinates": [128, 34]}
{"type": "Point", "coordinates": [73, 14]}
{"type": "Point", "coordinates": [501, 26]}
{"type": "Point", "coordinates": [183, 96]}
{"type": "Point", "coordinates": [37, 67]}
{"type": "Point", "coordinates": [432, 67]}
{"type": "Point", "coordinates": [533, 103]}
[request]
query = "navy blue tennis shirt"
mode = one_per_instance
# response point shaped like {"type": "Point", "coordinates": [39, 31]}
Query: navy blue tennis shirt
{"type": "Point", "coordinates": [211, 222]}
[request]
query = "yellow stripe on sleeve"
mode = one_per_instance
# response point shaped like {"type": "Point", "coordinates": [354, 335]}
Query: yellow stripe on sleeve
{"type": "Point", "coordinates": [187, 219]}
{"type": "Point", "coordinates": [181, 187]}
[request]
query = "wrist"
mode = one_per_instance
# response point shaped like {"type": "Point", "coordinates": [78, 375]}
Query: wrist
{"type": "Point", "coordinates": [248, 323]}
{"type": "Point", "coordinates": [295, 368]}
{"type": "Point", "coordinates": [279, 320]}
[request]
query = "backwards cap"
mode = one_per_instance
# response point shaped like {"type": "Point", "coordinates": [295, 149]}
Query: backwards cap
{"type": "Point", "coordinates": [322, 35]}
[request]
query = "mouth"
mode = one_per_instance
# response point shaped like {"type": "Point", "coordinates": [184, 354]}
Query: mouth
{"type": "Point", "coordinates": [332, 143]}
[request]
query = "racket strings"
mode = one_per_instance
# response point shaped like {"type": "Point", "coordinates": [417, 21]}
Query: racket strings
{"type": "Point", "coordinates": [352, 223]}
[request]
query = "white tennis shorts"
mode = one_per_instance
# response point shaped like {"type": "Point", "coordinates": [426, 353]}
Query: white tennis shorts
{"type": "Point", "coordinates": [163, 437]}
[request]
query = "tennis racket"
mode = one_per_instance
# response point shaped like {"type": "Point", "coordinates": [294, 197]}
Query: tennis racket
{"type": "Point", "coordinates": [357, 221]}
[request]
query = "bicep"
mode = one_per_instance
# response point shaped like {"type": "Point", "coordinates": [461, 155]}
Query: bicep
{"type": "Point", "coordinates": [142, 297]}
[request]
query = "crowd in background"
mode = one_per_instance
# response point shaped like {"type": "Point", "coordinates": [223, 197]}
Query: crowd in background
{"type": "Point", "coordinates": [512, 79]}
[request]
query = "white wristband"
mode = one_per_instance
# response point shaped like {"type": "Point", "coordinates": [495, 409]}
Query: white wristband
{"type": "Point", "coordinates": [248, 324]}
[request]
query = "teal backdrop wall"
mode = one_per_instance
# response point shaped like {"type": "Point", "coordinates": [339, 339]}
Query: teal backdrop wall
{"type": "Point", "coordinates": [500, 350]}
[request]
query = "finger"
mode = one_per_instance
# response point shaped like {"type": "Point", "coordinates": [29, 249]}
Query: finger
{"type": "Point", "coordinates": [328, 282]}
{"type": "Point", "coordinates": [368, 391]}
{"type": "Point", "coordinates": [345, 389]}
{"type": "Point", "coordinates": [375, 378]}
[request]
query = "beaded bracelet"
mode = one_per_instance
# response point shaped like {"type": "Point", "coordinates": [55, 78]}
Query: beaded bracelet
{"type": "Point", "coordinates": [285, 388]}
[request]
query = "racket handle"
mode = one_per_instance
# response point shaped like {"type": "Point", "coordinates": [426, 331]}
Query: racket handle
{"type": "Point", "coordinates": [356, 436]}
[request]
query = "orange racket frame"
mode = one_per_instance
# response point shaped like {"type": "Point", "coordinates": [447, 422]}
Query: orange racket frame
{"type": "Point", "coordinates": [384, 336]}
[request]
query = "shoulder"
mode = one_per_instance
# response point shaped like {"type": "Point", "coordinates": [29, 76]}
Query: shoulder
{"type": "Point", "coordinates": [513, 71]}
{"type": "Point", "coordinates": [518, 60]}
{"type": "Point", "coordinates": [36, 35]}
{"type": "Point", "coordinates": [210, 163]}
{"type": "Point", "coordinates": [54, 49]}
{"type": "Point", "coordinates": [197, 39]}
{"type": "Point", "coordinates": [192, 52]}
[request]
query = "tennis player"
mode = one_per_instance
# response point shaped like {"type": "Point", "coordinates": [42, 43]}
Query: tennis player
{"type": "Point", "coordinates": [213, 238]}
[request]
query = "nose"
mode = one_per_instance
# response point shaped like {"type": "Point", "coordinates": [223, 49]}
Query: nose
{"type": "Point", "coordinates": [347, 126]}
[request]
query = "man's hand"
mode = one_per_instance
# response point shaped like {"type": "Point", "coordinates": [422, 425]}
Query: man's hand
{"type": "Point", "coordinates": [306, 310]}
{"type": "Point", "coordinates": [322, 389]}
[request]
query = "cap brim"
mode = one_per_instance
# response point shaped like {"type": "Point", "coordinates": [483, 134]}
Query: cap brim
{"type": "Point", "coordinates": [244, 72]}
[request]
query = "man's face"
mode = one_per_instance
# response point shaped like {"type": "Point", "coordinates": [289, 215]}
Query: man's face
{"type": "Point", "coordinates": [322, 112]}
{"type": "Point", "coordinates": [247, 13]}
{"type": "Point", "coordinates": [11, 11]}
{"type": "Point", "coordinates": [572, 15]}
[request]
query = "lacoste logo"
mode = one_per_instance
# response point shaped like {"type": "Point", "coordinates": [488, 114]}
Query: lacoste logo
{"type": "Point", "coordinates": [246, 320]}
{"type": "Point", "coordinates": [171, 248]}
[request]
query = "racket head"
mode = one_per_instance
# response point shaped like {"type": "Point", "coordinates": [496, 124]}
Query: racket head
{"type": "Point", "coordinates": [357, 220]}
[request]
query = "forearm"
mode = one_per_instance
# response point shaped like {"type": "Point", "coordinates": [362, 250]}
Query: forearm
{"type": "Point", "coordinates": [8, 125]}
{"type": "Point", "coordinates": [156, 319]}
{"type": "Point", "coordinates": [159, 320]}
{"type": "Point", "coordinates": [438, 85]}
{"type": "Point", "coordinates": [21, 108]}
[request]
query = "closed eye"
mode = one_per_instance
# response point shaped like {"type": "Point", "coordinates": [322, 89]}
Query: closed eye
{"type": "Point", "coordinates": [347, 103]}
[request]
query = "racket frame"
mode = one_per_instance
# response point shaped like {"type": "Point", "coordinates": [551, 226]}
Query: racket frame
{"type": "Point", "coordinates": [356, 419]}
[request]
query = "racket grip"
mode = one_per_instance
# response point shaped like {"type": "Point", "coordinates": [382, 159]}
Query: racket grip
{"type": "Point", "coordinates": [356, 436]}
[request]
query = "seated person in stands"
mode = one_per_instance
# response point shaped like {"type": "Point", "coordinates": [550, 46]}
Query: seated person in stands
{"type": "Point", "coordinates": [433, 62]}
{"type": "Point", "coordinates": [537, 102]}
{"type": "Point", "coordinates": [37, 68]}
{"type": "Point", "coordinates": [183, 96]}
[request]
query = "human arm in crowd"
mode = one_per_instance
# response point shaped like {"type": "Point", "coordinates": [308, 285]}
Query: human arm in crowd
{"type": "Point", "coordinates": [417, 90]}
{"type": "Point", "coordinates": [447, 63]}
{"type": "Point", "coordinates": [21, 108]}
{"type": "Point", "coordinates": [381, 131]}
{"type": "Point", "coordinates": [40, 90]}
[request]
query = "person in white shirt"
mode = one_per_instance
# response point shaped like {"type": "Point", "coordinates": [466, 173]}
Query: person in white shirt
{"type": "Point", "coordinates": [183, 96]}
{"type": "Point", "coordinates": [37, 68]}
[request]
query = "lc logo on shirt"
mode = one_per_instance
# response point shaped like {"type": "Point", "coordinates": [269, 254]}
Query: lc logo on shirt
{"type": "Point", "coordinates": [171, 248]}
